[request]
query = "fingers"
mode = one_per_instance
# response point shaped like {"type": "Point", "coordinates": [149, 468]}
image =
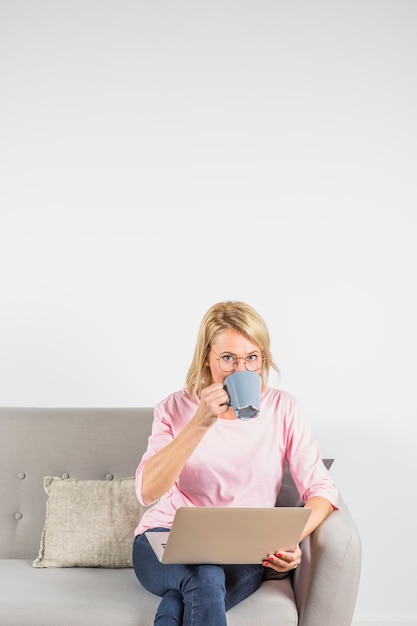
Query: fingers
{"type": "Point", "coordinates": [215, 398]}
{"type": "Point", "coordinates": [217, 395]}
{"type": "Point", "coordinates": [221, 400]}
{"type": "Point", "coordinates": [284, 561]}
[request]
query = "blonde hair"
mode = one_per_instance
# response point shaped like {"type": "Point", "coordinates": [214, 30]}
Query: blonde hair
{"type": "Point", "coordinates": [225, 316]}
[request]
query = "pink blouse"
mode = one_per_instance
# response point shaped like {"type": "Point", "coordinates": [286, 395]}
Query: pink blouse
{"type": "Point", "coordinates": [237, 463]}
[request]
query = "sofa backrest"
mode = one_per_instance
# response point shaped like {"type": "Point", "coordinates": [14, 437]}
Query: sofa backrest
{"type": "Point", "coordinates": [84, 443]}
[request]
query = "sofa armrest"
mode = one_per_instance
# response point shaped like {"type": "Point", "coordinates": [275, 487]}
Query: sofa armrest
{"type": "Point", "coordinates": [327, 580]}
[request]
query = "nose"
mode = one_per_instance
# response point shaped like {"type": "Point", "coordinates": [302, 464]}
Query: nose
{"type": "Point", "coordinates": [241, 364]}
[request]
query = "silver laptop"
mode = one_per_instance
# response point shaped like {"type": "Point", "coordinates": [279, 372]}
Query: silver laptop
{"type": "Point", "coordinates": [228, 535]}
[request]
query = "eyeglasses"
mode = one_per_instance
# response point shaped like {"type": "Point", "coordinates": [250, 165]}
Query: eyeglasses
{"type": "Point", "coordinates": [229, 362]}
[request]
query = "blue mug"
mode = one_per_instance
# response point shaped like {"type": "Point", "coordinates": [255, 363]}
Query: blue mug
{"type": "Point", "coordinates": [244, 389]}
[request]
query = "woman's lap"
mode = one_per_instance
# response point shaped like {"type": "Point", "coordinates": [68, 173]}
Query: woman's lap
{"type": "Point", "coordinates": [219, 587]}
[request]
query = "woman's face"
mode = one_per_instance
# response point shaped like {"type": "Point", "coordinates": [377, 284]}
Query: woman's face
{"type": "Point", "coordinates": [228, 346]}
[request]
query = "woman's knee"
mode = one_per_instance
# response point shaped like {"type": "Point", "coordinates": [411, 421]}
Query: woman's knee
{"type": "Point", "coordinates": [208, 580]}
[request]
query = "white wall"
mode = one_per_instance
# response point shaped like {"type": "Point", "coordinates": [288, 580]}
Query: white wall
{"type": "Point", "coordinates": [157, 157]}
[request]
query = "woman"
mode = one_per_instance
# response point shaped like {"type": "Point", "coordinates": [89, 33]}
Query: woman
{"type": "Point", "coordinates": [193, 452]}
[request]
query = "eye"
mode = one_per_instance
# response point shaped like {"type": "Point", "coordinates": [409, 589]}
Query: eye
{"type": "Point", "coordinates": [252, 358]}
{"type": "Point", "coordinates": [228, 358]}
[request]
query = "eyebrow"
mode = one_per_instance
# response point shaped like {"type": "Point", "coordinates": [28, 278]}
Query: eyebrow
{"type": "Point", "coordinates": [233, 354]}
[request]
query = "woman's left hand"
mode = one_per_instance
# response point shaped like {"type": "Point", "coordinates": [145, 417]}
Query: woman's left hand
{"type": "Point", "coordinates": [284, 561]}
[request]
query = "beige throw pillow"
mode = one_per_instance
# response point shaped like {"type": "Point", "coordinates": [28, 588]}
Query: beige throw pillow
{"type": "Point", "coordinates": [89, 523]}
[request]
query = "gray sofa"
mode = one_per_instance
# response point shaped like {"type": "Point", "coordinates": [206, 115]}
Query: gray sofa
{"type": "Point", "coordinates": [92, 444]}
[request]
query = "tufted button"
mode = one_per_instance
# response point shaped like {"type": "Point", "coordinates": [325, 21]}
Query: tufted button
{"type": "Point", "coordinates": [65, 475]}
{"type": "Point", "coordinates": [21, 475]}
{"type": "Point", "coordinates": [109, 476]}
{"type": "Point", "coordinates": [18, 516]}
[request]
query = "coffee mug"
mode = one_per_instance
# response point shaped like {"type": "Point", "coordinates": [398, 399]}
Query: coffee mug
{"type": "Point", "coordinates": [244, 389]}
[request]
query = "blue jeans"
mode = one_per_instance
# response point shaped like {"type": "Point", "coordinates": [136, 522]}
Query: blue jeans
{"type": "Point", "coordinates": [193, 595]}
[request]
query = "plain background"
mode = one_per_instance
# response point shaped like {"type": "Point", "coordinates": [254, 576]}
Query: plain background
{"type": "Point", "coordinates": [160, 156]}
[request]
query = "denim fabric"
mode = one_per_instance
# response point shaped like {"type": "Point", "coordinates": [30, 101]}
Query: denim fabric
{"type": "Point", "coordinates": [193, 595]}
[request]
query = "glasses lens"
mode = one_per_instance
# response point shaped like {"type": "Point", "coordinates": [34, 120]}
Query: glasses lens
{"type": "Point", "coordinates": [253, 362]}
{"type": "Point", "coordinates": [227, 366]}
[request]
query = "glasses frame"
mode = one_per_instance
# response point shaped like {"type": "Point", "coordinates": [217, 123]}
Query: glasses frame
{"type": "Point", "coordinates": [236, 360]}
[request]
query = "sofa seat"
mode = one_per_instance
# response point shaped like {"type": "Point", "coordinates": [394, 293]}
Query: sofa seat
{"type": "Point", "coordinates": [108, 597]}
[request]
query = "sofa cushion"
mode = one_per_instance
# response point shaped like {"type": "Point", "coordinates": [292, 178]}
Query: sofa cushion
{"type": "Point", "coordinates": [89, 523]}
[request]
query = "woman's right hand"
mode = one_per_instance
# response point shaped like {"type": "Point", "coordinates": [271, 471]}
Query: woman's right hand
{"type": "Point", "coordinates": [213, 402]}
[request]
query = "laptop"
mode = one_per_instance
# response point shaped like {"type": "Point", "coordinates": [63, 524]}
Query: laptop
{"type": "Point", "coordinates": [223, 535]}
